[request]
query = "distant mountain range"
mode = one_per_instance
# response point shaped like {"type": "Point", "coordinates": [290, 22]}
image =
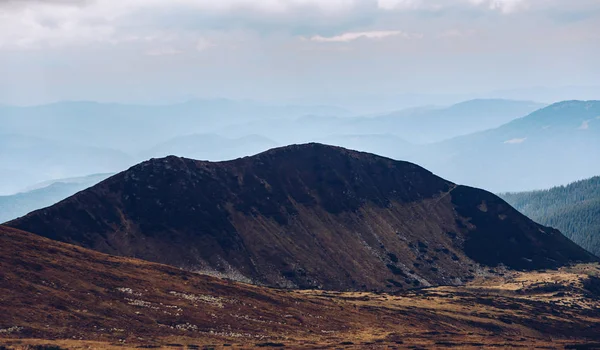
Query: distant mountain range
{"type": "Point", "coordinates": [305, 216]}
{"type": "Point", "coordinates": [574, 209]}
{"type": "Point", "coordinates": [437, 124]}
{"type": "Point", "coordinates": [43, 195]}
{"type": "Point", "coordinates": [29, 160]}
{"type": "Point", "coordinates": [415, 125]}
{"type": "Point", "coordinates": [551, 146]}
{"type": "Point", "coordinates": [523, 150]}
{"type": "Point", "coordinates": [133, 128]}
{"type": "Point", "coordinates": [554, 145]}
{"type": "Point", "coordinates": [71, 139]}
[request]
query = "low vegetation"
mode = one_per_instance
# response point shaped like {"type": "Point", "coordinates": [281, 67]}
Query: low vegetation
{"type": "Point", "coordinates": [80, 299]}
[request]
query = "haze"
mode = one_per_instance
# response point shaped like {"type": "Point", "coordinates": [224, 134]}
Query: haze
{"type": "Point", "coordinates": [365, 55]}
{"type": "Point", "coordinates": [475, 91]}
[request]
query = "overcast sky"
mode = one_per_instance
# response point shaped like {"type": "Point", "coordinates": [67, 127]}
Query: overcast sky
{"type": "Point", "coordinates": [286, 50]}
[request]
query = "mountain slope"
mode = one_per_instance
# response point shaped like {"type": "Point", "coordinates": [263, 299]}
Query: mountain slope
{"type": "Point", "coordinates": [309, 216]}
{"type": "Point", "coordinates": [415, 125]}
{"type": "Point", "coordinates": [574, 209]}
{"type": "Point", "coordinates": [434, 125]}
{"type": "Point", "coordinates": [67, 296]}
{"type": "Point", "coordinates": [555, 145]}
{"type": "Point", "coordinates": [13, 206]}
{"type": "Point", "coordinates": [134, 128]}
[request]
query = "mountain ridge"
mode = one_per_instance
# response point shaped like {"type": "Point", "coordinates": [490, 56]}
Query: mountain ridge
{"type": "Point", "coordinates": [550, 146]}
{"type": "Point", "coordinates": [304, 216]}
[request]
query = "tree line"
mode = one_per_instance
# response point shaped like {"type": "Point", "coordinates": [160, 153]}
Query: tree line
{"type": "Point", "coordinates": [574, 209]}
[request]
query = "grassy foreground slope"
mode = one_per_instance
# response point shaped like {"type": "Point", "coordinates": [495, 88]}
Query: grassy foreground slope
{"type": "Point", "coordinates": [67, 296]}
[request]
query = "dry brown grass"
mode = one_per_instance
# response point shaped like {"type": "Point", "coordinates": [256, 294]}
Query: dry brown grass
{"type": "Point", "coordinates": [56, 294]}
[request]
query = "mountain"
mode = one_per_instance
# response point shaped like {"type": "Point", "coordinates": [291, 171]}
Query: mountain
{"type": "Point", "coordinates": [58, 296]}
{"type": "Point", "coordinates": [434, 125]}
{"type": "Point", "coordinates": [70, 139]}
{"type": "Point", "coordinates": [210, 147]}
{"type": "Point", "coordinates": [304, 216]}
{"type": "Point", "coordinates": [134, 128]}
{"type": "Point", "coordinates": [415, 125]}
{"type": "Point", "coordinates": [555, 145]}
{"type": "Point", "coordinates": [42, 159]}
{"type": "Point", "coordinates": [13, 180]}
{"type": "Point", "coordinates": [551, 94]}
{"type": "Point", "coordinates": [573, 209]}
{"type": "Point", "coordinates": [43, 195]}
{"type": "Point", "coordinates": [387, 145]}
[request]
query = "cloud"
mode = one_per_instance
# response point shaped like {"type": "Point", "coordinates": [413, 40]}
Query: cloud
{"type": "Point", "coordinates": [252, 48]}
{"type": "Point", "coordinates": [451, 33]}
{"type": "Point", "coordinates": [164, 52]}
{"type": "Point", "coordinates": [400, 4]}
{"type": "Point", "coordinates": [515, 141]}
{"type": "Point", "coordinates": [203, 44]}
{"type": "Point", "coordinates": [52, 2]}
{"type": "Point", "coordinates": [351, 36]}
{"type": "Point", "coordinates": [31, 24]}
{"type": "Point", "coordinates": [456, 33]}
{"type": "Point", "coordinates": [26, 24]}
{"type": "Point", "coordinates": [267, 6]}
{"type": "Point", "coordinates": [504, 6]}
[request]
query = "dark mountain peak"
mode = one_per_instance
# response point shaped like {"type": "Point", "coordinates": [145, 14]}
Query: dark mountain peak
{"type": "Point", "coordinates": [315, 154]}
{"type": "Point", "coordinates": [311, 149]}
{"type": "Point", "coordinates": [294, 150]}
{"type": "Point", "coordinates": [312, 174]}
{"type": "Point", "coordinates": [309, 215]}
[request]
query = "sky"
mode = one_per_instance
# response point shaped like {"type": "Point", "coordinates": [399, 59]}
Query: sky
{"type": "Point", "coordinates": [309, 51]}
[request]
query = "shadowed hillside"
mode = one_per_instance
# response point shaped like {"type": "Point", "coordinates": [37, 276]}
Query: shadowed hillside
{"type": "Point", "coordinates": [573, 209]}
{"type": "Point", "coordinates": [307, 216]}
